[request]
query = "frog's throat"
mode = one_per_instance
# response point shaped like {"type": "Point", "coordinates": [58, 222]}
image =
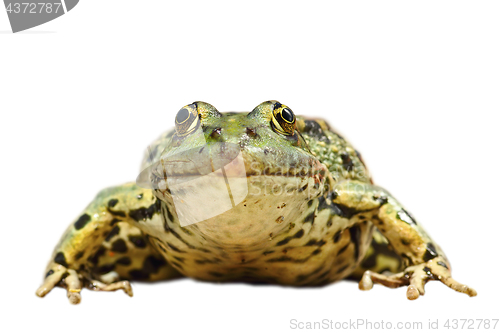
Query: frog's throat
{"type": "Point", "coordinates": [268, 206]}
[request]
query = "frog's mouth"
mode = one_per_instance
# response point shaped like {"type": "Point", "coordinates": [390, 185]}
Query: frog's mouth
{"type": "Point", "coordinates": [207, 181]}
{"type": "Point", "coordinates": [228, 160]}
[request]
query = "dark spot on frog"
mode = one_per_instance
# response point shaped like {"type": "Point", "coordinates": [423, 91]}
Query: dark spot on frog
{"type": "Point", "coordinates": [60, 259]}
{"type": "Point", "coordinates": [79, 255]}
{"type": "Point", "coordinates": [342, 250]}
{"type": "Point", "coordinates": [355, 233]}
{"type": "Point", "coordinates": [281, 259]}
{"type": "Point", "coordinates": [430, 252]}
{"type": "Point", "coordinates": [138, 274]}
{"type": "Point", "coordinates": [277, 105]}
{"type": "Point", "coordinates": [382, 200]}
{"type": "Point", "coordinates": [112, 203]}
{"type": "Point", "coordinates": [267, 252]}
{"type": "Point", "coordinates": [114, 221]}
{"type": "Point", "coordinates": [119, 246]}
{"type": "Point", "coordinates": [175, 248]}
{"type": "Point", "coordinates": [162, 247]}
{"type": "Point", "coordinates": [152, 153]}
{"type": "Point", "coordinates": [113, 233]}
{"type": "Point", "coordinates": [313, 129]}
{"type": "Point", "coordinates": [440, 263]}
{"type": "Point", "coordinates": [346, 161]}
{"type": "Point", "coordinates": [341, 269]}
{"type": "Point", "coordinates": [138, 241]}
{"type": "Point", "coordinates": [176, 265]}
{"type": "Point", "coordinates": [139, 196]}
{"type": "Point", "coordinates": [49, 273]}
{"type": "Point", "coordinates": [143, 214]}
{"type": "Point", "coordinates": [303, 188]}
{"type": "Point", "coordinates": [284, 241]}
{"type": "Point", "coordinates": [322, 276]}
{"type": "Point", "coordinates": [299, 234]}
{"type": "Point", "coordinates": [406, 260]}
{"type": "Point", "coordinates": [82, 221]}
{"type": "Point", "coordinates": [116, 213]}
{"type": "Point", "coordinates": [337, 236]}
{"type": "Point", "coordinates": [315, 252]}
{"type": "Point", "coordinates": [333, 195]}
{"type": "Point", "coordinates": [216, 274]}
{"type": "Point", "coordinates": [179, 259]}
{"type": "Point", "coordinates": [405, 241]}
{"type": "Point", "coordinates": [303, 277]}
{"type": "Point", "coordinates": [124, 261]}
{"type": "Point", "coordinates": [310, 218]}
{"type": "Point", "coordinates": [169, 215]}
{"type": "Point", "coordinates": [104, 269]}
{"type": "Point", "coordinates": [95, 258]}
{"type": "Point", "coordinates": [152, 264]}
{"type": "Point", "coordinates": [311, 242]}
{"type": "Point", "coordinates": [187, 231]}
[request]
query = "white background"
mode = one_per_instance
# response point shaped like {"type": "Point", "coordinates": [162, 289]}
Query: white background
{"type": "Point", "coordinates": [414, 86]}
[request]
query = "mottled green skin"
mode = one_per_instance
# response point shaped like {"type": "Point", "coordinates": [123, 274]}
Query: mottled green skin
{"type": "Point", "coordinates": [317, 231]}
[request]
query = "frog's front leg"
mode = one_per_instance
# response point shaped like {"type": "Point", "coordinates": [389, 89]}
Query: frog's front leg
{"type": "Point", "coordinates": [75, 259]}
{"type": "Point", "coordinates": [423, 258]}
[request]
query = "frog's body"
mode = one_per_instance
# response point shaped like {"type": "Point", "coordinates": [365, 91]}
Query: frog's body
{"type": "Point", "coordinates": [311, 215]}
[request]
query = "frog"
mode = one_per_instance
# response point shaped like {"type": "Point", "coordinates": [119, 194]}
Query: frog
{"type": "Point", "coordinates": [304, 211]}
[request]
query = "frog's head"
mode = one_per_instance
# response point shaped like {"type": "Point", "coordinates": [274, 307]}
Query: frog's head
{"type": "Point", "coordinates": [249, 173]}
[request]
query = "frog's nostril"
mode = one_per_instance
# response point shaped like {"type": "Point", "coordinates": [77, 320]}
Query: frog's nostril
{"type": "Point", "coordinates": [216, 133]}
{"type": "Point", "coordinates": [251, 132]}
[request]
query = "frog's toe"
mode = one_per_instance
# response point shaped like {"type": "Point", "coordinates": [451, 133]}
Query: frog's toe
{"type": "Point", "coordinates": [391, 281]}
{"type": "Point", "coordinates": [460, 287]}
{"type": "Point", "coordinates": [57, 275]}
{"type": "Point", "coordinates": [73, 281]}
{"type": "Point", "coordinates": [415, 277]}
{"type": "Point", "coordinates": [124, 285]}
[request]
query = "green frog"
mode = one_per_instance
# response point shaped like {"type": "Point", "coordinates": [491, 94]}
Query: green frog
{"type": "Point", "coordinates": [259, 197]}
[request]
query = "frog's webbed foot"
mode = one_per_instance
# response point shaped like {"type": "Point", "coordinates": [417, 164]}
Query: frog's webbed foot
{"type": "Point", "coordinates": [73, 281]}
{"type": "Point", "coordinates": [415, 277]}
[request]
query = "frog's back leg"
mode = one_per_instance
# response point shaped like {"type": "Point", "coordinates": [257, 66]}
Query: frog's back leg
{"type": "Point", "coordinates": [379, 258]}
{"type": "Point", "coordinates": [105, 244]}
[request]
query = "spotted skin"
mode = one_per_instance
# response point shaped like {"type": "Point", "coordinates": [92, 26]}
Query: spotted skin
{"type": "Point", "coordinates": [328, 223]}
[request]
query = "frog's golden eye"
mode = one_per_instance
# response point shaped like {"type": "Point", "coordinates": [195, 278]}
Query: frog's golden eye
{"type": "Point", "coordinates": [187, 120]}
{"type": "Point", "coordinates": [283, 120]}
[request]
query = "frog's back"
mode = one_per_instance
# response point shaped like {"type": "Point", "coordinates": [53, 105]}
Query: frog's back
{"type": "Point", "coordinates": [333, 150]}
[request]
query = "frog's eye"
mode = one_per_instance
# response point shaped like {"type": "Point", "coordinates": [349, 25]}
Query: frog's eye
{"type": "Point", "coordinates": [187, 120]}
{"type": "Point", "coordinates": [283, 120]}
